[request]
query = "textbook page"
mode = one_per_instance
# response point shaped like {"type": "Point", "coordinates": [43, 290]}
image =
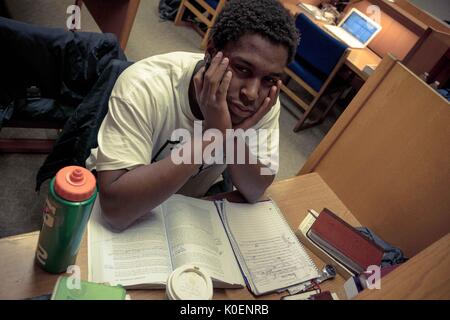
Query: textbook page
{"type": "Point", "coordinates": [268, 250]}
{"type": "Point", "coordinates": [136, 257]}
{"type": "Point", "coordinates": [197, 236]}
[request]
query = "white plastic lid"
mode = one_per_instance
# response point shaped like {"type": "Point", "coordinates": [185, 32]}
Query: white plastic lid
{"type": "Point", "coordinates": [189, 282]}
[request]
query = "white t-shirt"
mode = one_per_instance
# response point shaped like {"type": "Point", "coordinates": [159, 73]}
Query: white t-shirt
{"type": "Point", "coordinates": [148, 102]}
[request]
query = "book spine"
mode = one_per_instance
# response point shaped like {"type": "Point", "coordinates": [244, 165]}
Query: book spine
{"type": "Point", "coordinates": [318, 251]}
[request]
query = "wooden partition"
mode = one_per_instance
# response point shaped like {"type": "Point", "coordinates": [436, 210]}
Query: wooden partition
{"type": "Point", "coordinates": [431, 54]}
{"type": "Point", "coordinates": [424, 277]}
{"type": "Point", "coordinates": [387, 158]}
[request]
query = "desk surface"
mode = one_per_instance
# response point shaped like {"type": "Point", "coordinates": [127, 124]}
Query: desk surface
{"type": "Point", "coordinates": [357, 58]}
{"type": "Point", "coordinates": [21, 278]}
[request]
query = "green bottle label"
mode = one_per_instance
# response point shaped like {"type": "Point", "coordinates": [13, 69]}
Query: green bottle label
{"type": "Point", "coordinates": [64, 224]}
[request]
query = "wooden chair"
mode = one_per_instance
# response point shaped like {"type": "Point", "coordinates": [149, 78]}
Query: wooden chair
{"type": "Point", "coordinates": [118, 19]}
{"type": "Point", "coordinates": [208, 16]}
{"type": "Point", "coordinates": [318, 58]}
{"type": "Point", "coordinates": [388, 160]}
{"type": "Point", "coordinates": [50, 70]}
{"type": "Point", "coordinates": [29, 145]}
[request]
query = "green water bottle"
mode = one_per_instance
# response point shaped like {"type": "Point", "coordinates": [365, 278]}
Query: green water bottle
{"type": "Point", "coordinates": [67, 209]}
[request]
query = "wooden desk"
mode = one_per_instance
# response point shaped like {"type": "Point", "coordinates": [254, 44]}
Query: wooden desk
{"type": "Point", "coordinates": [21, 278]}
{"type": "Point", "coordinates": [357, 58]}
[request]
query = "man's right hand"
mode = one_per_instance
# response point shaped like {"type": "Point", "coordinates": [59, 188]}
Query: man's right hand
{"type": "Point", "coordinates": [211, 87]}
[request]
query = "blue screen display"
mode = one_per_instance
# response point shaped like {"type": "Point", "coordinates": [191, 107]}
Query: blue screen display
{"type": "Point", "coordinates": [359, 27]}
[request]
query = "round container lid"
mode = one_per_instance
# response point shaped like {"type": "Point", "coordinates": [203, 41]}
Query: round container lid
{"type": "Point", "coordinates": [75, 183]}
{"type": "Point", "coordinates": [189, 282]}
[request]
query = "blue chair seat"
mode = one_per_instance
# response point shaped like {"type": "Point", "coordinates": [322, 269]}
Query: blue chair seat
{"type": "Point", "coordinates": [312, 78]}
{"type": "Point", "coordinates": [212, 3]}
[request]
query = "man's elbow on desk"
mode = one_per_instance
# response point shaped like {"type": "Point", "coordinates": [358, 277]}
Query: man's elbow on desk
{"type": "Point", "coordinates": [253, 192]}
{"type": "Point", "coordinates": [117, 212]}
{"type": "Point", "coordinates": [117, 218]}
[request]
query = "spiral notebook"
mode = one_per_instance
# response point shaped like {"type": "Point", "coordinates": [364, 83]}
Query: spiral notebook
{"type": "Point", "coordinates": [268, 252]}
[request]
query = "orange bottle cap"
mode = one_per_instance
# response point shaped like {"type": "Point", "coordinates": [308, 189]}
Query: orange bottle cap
{"type": "Point", "coordinates": [75, 183]}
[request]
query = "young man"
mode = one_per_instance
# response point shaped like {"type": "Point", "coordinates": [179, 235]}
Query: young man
{"type": "Point", "coordinates": [234, 85]}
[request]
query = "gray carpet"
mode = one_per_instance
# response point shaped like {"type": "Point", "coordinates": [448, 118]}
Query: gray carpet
{"type": "Point", "coordinates": [20, 209]}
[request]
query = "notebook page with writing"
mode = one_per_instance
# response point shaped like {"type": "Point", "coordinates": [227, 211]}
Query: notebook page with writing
{"type": "Point", "coordinates": [268, 251]}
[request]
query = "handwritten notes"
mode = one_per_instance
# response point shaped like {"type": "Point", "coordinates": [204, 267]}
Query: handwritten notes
{"type": "Point", "coordinates": [269, 252]}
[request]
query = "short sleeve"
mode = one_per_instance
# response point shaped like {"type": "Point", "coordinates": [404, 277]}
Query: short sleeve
{"type": "Point", "coordinates": [124, 138]}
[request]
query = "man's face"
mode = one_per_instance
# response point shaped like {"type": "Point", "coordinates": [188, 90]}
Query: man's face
{"type": "Point", "coordinates": [257, 65]}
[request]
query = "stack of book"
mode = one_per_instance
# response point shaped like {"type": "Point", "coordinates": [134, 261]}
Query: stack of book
{"type": "Point", "coordinates": [351, 251]}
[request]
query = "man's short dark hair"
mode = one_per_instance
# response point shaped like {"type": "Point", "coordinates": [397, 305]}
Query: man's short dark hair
{"type": "Point", "coordinates": [267, 18]}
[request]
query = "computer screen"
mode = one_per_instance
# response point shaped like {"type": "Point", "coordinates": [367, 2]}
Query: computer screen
{"type": "Point", "coordinates": [360, 27]}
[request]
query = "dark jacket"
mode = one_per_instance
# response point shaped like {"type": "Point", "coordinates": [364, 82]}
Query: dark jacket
{"type": "Point", "coordinates": [61, 76]}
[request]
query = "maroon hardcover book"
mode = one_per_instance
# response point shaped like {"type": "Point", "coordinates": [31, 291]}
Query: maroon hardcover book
{"type": "Point", "coordinates": [324, 295]}
{"type": "Point", "coordinates": [345, 242]}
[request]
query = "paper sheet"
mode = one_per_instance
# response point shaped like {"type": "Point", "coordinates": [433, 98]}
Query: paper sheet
{"type": "Point", "coordinates": [270, 251]}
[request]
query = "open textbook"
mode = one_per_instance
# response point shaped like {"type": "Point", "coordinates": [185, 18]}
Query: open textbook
{"type": "Point", "coordinates": [221, 237]}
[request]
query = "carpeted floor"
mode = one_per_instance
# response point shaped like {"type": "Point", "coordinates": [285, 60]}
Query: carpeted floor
{"type": "Point", "coordinates": [20, 209]}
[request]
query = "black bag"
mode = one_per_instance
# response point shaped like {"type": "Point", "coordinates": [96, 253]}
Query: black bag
{"type": "Point", "coordinates": [168, 9]}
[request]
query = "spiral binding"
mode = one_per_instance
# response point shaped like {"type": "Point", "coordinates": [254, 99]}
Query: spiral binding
{"type": "Point", "coordinates": [304, 253]}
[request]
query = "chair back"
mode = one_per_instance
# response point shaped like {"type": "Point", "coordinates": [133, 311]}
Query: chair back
{"type": "Point", "coordinates": [317, 48]}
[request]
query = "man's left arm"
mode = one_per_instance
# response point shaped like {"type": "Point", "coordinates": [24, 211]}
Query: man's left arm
{"type": "Point", "coordinates": [249, 178]}
{"type": "Point", "coordinates": [254, 175]}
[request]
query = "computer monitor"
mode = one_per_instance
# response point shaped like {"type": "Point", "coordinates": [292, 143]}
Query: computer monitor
{"type": "Point", "coordinates": [360, 26]}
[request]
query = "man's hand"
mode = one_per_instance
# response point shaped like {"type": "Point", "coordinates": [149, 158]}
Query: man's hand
{"type": "Point", "coordinates": [266, 106]}
{"type": "Point", "coordinates": [211, 87]}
